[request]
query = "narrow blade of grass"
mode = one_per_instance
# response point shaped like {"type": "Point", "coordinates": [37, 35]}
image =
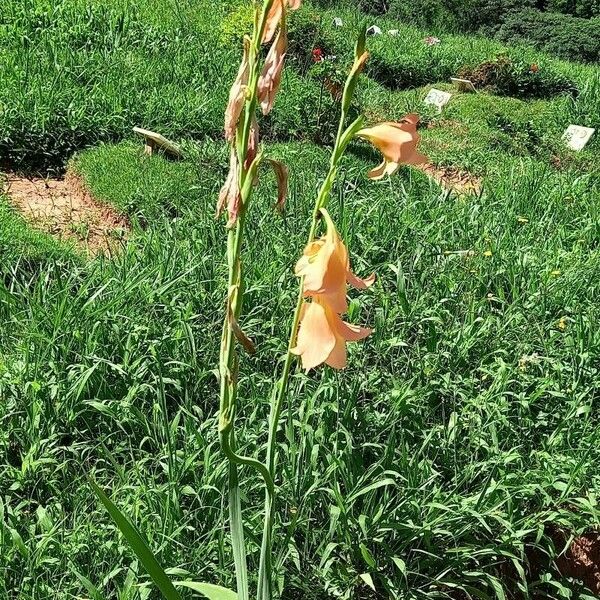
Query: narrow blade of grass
{"type": "Point", "coordinates": [139, 546]}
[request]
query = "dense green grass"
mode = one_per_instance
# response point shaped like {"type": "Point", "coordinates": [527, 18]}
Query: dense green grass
{"type": "Point", "coordinates": [464, 430]}
{"type": "Point", "coordinates": [20, 244]}
{"type": "Point", "coordinates": [77, 73]}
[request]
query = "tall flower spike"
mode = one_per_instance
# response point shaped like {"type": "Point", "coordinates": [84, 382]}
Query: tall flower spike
{"type": "Point", "coordinates": [237, 95]}
{"type": "Point", "coordinates": [323, 335]}
{"type": "Point", "coordinates": [270, 78]}
{"type": "Point", "coordinates": [275, 14]}
{"type": "Point", "coordinates": [325, 267]}
{"type": "Point", "coordinates": [397, 142]}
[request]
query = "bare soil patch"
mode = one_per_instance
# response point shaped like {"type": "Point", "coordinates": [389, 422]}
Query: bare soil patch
{"type": "Point", "coordinates": [582, 561]}
{"type": "Point", "coordinates": [453, 179]}
{"type": "Point", "coordinates": [66, 210]}
{"type": "Point", "coordinates": [578, 559]}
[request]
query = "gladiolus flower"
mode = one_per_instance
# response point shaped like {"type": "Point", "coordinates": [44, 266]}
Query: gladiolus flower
{"type": "Point", "coordinates": [270, 79]}
{"type": "Point", "coordinates": [431, 40]}
{"type": "Point", "coordinates": [275, 14]}
{"type": "Point", "coordinates": [325, 267]}
{"type": "Point", "coordinates": [230, 195]}
{"type": "Point", "coordinates": [534, 68]}
{"type": "Point", "coordinates": [323, 335]}
{"type": "Point", "coordinates": [317, 55]}
{"type": "Point", "coordinates": [237, 95]}
{"type": "Point", "coordinates": [398, 144]}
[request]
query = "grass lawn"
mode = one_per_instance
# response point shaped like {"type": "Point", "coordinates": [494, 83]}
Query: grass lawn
{"type": "Point", "coordinates": [463, 434]}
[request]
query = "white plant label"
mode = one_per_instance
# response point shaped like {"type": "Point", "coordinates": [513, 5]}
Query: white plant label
{"type": "Point", "coordinates": [577, 136]}
{"type": "Point", "coordinates": [463, 85]}
{"type": "Point", "coordinates": [394, 32]}
{"type": "Point", "coordinates": [374, 30]}
{"type": "Point", "coordinates": [338, 22]}
{"type": "Point", "coordinates": [437, 98]}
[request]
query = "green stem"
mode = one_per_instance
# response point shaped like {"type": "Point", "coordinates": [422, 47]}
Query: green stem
{"type": "Point", "coordinates": [265, 579]}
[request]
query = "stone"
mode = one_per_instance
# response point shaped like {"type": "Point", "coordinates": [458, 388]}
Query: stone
{"type": "Point", "coordinates": [437, 98]}
{"type": "Point", "coordinates": [155, 141]}
{"type": "Point", "coordinates": [374, 30]}
{"type": "Point", "coordinates": [463, 85]}
{"type": "Point", "coordinates": [576, 136]}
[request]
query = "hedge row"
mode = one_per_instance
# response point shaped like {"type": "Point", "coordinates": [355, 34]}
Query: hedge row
{"type": "Point", "coordinates": [569, 37]}
{"type": "Point", "coordinates": [406, 61]}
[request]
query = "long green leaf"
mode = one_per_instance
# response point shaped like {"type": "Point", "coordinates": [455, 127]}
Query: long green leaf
{"type": "Point", "coordinates": [91, 589]}
{"type": "Point", "coordinates": [139, 546]}
{"type": "Point", "coordinates": [237, 534]}
{"type": "Point", "coordinates": [211, 591]}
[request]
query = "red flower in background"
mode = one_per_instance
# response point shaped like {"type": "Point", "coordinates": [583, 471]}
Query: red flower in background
{"type": "Point", "coordinates": [317, 55]}
{"type": "Point", "coordinates": [534, 68]}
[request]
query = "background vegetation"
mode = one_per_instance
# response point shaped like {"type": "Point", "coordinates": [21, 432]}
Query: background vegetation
{"type": "Point", "coordinates": [459, 450]}
{"type": "Point", "coordinates": [568, 28]}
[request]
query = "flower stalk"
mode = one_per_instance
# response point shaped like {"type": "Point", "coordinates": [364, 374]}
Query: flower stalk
{"type": "Point", "coordinates": [241, 130]}
{"type": "Point", "coordinates": [318, 334]}
{"type": "Point", "coordinates": [344, 135]}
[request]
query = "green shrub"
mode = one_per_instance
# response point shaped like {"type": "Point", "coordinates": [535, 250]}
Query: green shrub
{"type": "Point", "coordinates": [570, 37]}
{"type": "Point", "coordinates": [516, 77]}
{"type": "Point", "coordinates": [237, 24]}
{"type": "Point", "coordinates": [578, 8]}
{"type": "Point", "coordinates": [455, 15]}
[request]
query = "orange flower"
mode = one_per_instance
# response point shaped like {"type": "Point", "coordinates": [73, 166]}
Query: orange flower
{"type": "Point", "coordinates": [325, 267]}
{"type": "Point", "coordinates": [274, 16]}
{"type": "Point", "coordinates": [230, 195]}
{"type": "Point", "coordinates": [398, 144]}
{"type": "Point", "coordinates": [237, 95]}
{"type": "Point", "coordinates": [270, 78]}
{"type": "Point", "coordinates": [323, 335]}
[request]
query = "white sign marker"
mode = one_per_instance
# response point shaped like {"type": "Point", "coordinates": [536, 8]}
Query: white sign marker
{"type": "Point", "coordinates": [338, 22]}
{"type": "Point", "coordinates": [437, 98]}
{"type": "Point", "coordinates": [374, 30]}
{"type": "Point", "coordinates": [394, 32]}
{"type": "Point", "coordinates": [577, 137]}
{"type": "Point", "coordinates": [463, 85]}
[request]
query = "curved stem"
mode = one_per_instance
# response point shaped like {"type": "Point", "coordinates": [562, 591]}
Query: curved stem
{"type": "Point", "coordinates": [245, 460]}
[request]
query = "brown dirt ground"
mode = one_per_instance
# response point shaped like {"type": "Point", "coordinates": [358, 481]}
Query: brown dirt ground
{"type": "Point", "coordinates": [582, 561]}
{"type": "Point", "coordinates": [450, 178]}
{"type": "Point", "coordinates": [66, 210]}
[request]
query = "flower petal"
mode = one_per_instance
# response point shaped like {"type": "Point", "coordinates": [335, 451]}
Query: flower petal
{"type": "Point", "coordinates": [237, 94]}
{"type": "Point", "coordinates": [273, 19]}
{"type": "Point", "coordinates": [358, 283]}
{"type": "Point", "coordinates": [282, 174]}
{"type": "Point", "coordinates": [316, 340]}
{"type": "Point", "coordinates": [270, 78]}
{"type": "Point", "coordinates": [230, 196]}
{"type": "Point", "coordinates": [385, 168]}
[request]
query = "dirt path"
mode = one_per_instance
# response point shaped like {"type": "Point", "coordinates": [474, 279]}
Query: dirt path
{"type": "Point", "coordinates": [65, 209]}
